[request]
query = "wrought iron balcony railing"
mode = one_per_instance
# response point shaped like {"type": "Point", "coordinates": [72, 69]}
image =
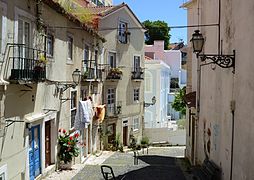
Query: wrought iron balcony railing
{"type": "Point", "coordinates": [114, 109]}
{"type": "Point", "coordinates": [91, 71]}
{"type": "Point", "coordinates": [28, 64]}
{"type": "Point", "coordinates": [137, 74]}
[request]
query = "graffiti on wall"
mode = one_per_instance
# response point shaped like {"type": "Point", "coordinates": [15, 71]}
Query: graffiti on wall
{"type": "Point", "coordinates": [216, 132]}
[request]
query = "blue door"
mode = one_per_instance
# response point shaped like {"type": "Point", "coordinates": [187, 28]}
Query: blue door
{"type": "Point", "coordinates": [34, 152]}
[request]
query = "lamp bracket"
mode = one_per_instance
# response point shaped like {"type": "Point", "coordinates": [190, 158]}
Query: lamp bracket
{"type": "Point", "coordinates": [148, 104]}
{"type": "Point", "coordinates": [224, 61]}
{"type": "Point", "coordinates": [64, 86]}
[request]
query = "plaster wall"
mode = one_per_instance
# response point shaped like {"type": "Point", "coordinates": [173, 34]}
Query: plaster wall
{"type": "Point", "coordinates": [171, 57]}
{"type": "Point", "coordinates": [220, 88]}
{"type": "Point", "coordinates": [37, 103]}
{"type": "Point", "coordinates": [156, 115]}
{"type": "Point", "coordinates": [124, 57]}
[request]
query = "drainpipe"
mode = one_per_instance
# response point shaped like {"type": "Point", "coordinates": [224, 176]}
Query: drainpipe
{"type": "Point", "coordinates": [232, 106]}
{"type": "Point", "coordinates": [198, 110]}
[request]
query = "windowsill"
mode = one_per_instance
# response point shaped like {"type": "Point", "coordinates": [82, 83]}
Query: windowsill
{"type": "Point", "coordinates": [69, 61]}
{"type": "Point", "coordinates": [136, 102]}
{"type": "Point", "coordinates": [50, 58]}
{"type": "Point", "coordinates": [135, 130]}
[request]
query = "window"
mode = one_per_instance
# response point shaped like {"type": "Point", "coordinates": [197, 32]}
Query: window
{"type": "Point", "coordinates": [135, 123]}
{"type": "Point", "coordinates": [86, 52]}
{"type": "Point", "coordinates": [110, 100]}
{"type": "Point", "coordinates": [24, 34]}
{"type": "Point", "coordinates": [50, 45]}
{"type": "Point", "coordinates": [70, 47]}
{"type": "Point", "coordinates": [122, 32]}
{"type": "Point", "coordinates": [136, 95]}
{"type": "Point", "coordinates": [3, 172]}
{"type": "Point", "coordinates": [73, 106]}
{"type": "Point", "coordinates": [86, 57]}
{"type": "Point", "coordinates": [112, 60]}
{"type": "Point", "coordinates": [174, 86]}
{"type": "Point", "coordinates": [136, 64]}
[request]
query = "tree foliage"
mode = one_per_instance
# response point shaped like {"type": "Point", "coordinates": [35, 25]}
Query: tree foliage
{"type": "Point", "coordinates": [81, 13]}
{"type": "Point", "coordinates": [179, 104]}
{"type": "Point", "coordinates": [157, 30]}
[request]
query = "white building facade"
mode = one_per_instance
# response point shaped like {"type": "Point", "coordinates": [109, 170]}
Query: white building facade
{"type": "Point", "coordinates": [157, 83]}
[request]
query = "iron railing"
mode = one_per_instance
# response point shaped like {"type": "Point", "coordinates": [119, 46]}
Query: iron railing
{"type": "Point", "coordinates": [137, 74]}
{"type": "Point", "coordinates": [91, 71]}
{"type": "Point", "coordinates": [114, 109]}
{"type": "Point", "coordinates": [28, 64]}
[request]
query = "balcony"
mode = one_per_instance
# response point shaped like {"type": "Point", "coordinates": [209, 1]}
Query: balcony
{"type": "Point", "coordinates": [90, 71]}
{"type": "Point", "coordinates": [28, 64]}
{"type": "Point", "coordinates": [114, 74]}
{"type": "Point", "coordinates": [113, 110]}
{"type": "Point", "coordinates": [137, 74]}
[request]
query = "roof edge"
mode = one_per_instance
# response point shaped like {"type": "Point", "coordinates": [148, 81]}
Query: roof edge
{"type": "Point", "coordinates": [187, 4]}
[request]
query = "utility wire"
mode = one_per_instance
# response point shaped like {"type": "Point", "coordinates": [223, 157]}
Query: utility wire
{"type": "Point", "coordinates": [134, 28]}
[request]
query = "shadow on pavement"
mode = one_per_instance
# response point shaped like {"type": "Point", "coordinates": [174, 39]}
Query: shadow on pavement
{"type": "Point", "coordinates": [160, 168]}
{"type": "Point", "coordinates": [158, 160]}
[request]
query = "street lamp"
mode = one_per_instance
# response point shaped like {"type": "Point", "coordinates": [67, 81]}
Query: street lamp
{"type": "Point", "coordinates": [222, 60]}
{"type": "Point", "coordinates": [150, 104]}
{"type": "Point", "coordinates": [76, 75]}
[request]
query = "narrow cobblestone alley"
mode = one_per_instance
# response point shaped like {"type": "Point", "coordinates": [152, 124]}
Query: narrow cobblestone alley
{"type": "Point", "coordinates": [161, 163]}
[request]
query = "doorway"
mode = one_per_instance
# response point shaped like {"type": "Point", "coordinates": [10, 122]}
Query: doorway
{"type": "Point", "coordinates": [47, 143]}
{"type": "Point", "coordinates": [125, 135]}
{"type": "Point", "coordinates": [34, 152]}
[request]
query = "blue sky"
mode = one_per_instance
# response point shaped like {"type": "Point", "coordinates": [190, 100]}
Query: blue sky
{"type": "Point", "coordinates": [165, 10]}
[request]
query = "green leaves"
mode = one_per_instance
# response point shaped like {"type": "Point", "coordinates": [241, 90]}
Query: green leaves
{"type": "Point", "coordinates": [67, 146]}
{"type": "Point", "coordinates": [179, 104]}
{"type": "Point", "coordinates": [157, 30]}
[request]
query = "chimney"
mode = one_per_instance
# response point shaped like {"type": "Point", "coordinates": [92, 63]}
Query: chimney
{"type": "Point", "coordinates": [159, 44]}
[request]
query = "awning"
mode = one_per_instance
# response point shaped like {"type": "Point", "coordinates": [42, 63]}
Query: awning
{"type": "Point", "coordinates": [34, 117]}
{"type": "Point", "coordinates": [190, 99]}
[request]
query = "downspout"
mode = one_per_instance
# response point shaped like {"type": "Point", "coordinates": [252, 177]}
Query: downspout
{"type": "Point", "coordinates": [232, 139]}
{"type": "Point", "coordinates": [197, 101]}
{"type": "Point", "coordinates": [198, 109]}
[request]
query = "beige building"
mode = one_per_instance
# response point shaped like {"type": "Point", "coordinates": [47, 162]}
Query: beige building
{"type": "Point", "coordinates": [123, 61]}
{"type": "Point", "coordinates": [220, 126]}
{"type": "Point", "coordinates": [37, 98]}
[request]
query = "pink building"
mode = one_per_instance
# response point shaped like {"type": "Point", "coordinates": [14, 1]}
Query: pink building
{"type": "Point", "coordinates": [173, 58]}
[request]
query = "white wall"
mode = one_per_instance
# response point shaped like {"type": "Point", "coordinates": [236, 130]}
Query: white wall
{"type": "Point", "coordinates": [156, 115]}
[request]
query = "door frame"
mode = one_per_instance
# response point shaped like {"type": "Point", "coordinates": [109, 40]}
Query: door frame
{"type": "Point", "coordinates": [125, 123]}
{"type": "Point", "coordinates": [48, 123]}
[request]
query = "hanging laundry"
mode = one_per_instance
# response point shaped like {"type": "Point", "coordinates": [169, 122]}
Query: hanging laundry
{"type": "Point", "coordinates": [84, 114]}
{"type": "Point", "coordinates": [100, 112]}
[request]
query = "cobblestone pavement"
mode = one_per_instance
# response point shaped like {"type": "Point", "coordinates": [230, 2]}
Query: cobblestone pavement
{"type": "Point", "coordinates": [162, 163]}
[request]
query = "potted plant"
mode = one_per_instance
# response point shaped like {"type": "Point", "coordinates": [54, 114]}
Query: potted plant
{"type": "Point", "coordinates": [41, 62]}
{"type": "Point", "coordinates": [40, 66]}
{"type": "Point", "coordinates": [115, 73]}
{"type": "Point", "coordinates": [85, 75]}
{"type": "Point", "coordinates": [67, 148]}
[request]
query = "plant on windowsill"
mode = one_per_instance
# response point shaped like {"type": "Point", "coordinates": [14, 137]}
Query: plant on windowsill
{"type": "Point", "coordinates": [41, 62]}
{"type": "Point", "coordinates": [85, 75]}
{"type": "Point", "coordinates": [67, 148]}
{"type": "Point", "coordinates": [115, 73]}
{"type": "Point", "coordinates": [39, 68]}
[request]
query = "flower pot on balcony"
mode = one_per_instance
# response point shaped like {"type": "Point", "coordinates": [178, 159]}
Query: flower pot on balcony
{"type": "Point", "coordinates": [38, 72]}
